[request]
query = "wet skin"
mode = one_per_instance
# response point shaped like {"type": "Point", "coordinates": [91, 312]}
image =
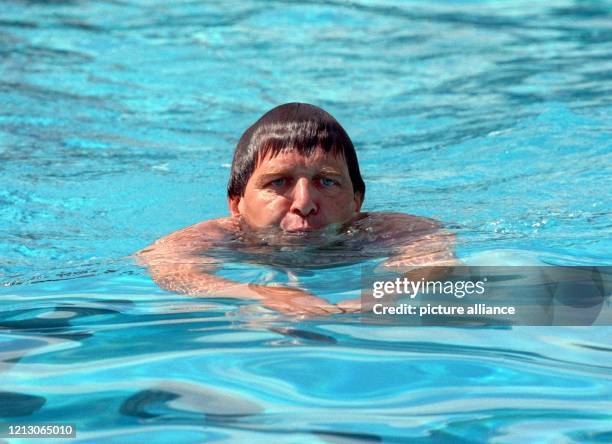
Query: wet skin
{"type": "Point", "coordinates": [298, 194]}
{"type": "Point", "coordinates": [293, 202]}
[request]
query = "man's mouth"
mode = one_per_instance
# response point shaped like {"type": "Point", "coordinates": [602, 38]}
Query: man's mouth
{"type": "Point", "coordinates": [299, 227]}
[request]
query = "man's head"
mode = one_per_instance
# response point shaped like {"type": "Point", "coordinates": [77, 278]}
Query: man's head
{"type": "Point", "coordinates": [296, 169]}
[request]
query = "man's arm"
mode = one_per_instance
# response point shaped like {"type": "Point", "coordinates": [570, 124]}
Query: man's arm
{"type": "Point", "coordinates": [178, 263]}
{"type": "Point", "coordinates": [430, 246]}
{"type": "Point", "coordinates": [420, 245]}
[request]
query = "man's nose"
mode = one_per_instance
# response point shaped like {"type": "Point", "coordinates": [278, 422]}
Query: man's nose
{"type": "Point", "coordinates": [304, 198]}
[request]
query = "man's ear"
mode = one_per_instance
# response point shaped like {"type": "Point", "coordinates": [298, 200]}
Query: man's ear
{"type": "Point", "coordinates": [358, 199]}
{"type": "Point", "coordinates": [233, 205]}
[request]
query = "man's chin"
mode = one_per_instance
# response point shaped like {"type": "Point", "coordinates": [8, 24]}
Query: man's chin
{"type": "Point", "coordinates": [301, 236]}
{"type": "Point", "coordinates": [276, 235]}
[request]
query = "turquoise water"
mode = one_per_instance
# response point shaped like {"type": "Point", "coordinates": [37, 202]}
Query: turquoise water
{"type": "Point", "coordinates": [117, 125]}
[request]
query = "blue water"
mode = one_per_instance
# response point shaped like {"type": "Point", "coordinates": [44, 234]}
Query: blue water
{"type": "Point", "coordinates": [117, 125]}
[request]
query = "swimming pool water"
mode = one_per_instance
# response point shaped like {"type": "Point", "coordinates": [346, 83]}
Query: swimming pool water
{"type": "Point", "coordinates": [117, 125]}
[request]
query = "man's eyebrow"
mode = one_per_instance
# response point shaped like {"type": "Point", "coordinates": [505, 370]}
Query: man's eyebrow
{"type": "Point", "coordinates": [285, 171]}
{"type": "Point", "coordinates": [274, 172]}
{"type": "Point", "coordinates": [330, 171]}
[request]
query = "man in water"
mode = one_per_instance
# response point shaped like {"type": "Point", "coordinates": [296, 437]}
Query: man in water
{"type": "Point", "coordinates": [295, 187]}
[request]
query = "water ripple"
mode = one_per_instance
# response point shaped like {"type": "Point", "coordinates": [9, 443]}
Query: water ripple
{"type": "Point", "coordinates": [118, 123]}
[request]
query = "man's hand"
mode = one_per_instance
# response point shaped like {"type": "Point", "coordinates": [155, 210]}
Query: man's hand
{"type": "Point", "coordinates": [350, 305]}
{"type": "Point", "coordinates": [293, 301]}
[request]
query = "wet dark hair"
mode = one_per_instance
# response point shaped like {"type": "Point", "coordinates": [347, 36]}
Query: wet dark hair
{"type": "Point", "coordinates": [293, 126]}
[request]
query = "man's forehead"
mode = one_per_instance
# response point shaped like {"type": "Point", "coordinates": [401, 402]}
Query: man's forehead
{"type": "Point", "coordinates": [289, 158]}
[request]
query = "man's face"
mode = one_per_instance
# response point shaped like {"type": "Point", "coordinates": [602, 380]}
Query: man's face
{"type": "Point", "coordinates": [297, 193]}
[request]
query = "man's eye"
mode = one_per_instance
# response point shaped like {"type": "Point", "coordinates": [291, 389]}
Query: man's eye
{"type": "Point", "coordinates": [277, 182]}
{"type": "Point", "coordinates": [327, 182]}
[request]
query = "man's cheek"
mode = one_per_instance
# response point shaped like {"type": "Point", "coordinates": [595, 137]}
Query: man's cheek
{"type": "Point", "coordinates": [273, 212]}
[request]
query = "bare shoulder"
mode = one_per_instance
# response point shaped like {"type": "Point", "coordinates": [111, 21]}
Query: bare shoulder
{"type": "Point", "coordinates": [196, 237]}
{"type": "Point", "coordinates": [414, 240]}
{"type": "Point", "coordinates": [400, 223]}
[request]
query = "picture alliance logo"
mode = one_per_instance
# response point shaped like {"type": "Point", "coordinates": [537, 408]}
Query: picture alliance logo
{"type": "Point", "coordinates": [408, 287]}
